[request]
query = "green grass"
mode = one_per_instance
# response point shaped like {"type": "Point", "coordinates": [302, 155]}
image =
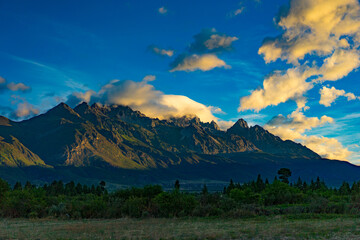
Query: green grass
{"type": "Point", "coordinates": [277, 227]}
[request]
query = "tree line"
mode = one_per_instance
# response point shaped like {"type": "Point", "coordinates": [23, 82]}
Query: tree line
{"type": "Point", "coordinates": [254, 198]}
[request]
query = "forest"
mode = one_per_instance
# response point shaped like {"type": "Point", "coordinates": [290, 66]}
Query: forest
{"type": "Point", "coordinates": [255, 198]}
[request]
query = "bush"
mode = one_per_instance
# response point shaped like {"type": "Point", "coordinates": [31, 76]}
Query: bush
{"type": "Point", "coordinates": [171, 204]}
{"type": "Point", "coordinates": [280, 193]}
{"type": "Point", "coordinates": [134, 207]}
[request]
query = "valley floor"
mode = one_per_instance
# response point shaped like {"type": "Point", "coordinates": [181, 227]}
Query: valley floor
{"type": "Point", "coordinates": [276, 227]}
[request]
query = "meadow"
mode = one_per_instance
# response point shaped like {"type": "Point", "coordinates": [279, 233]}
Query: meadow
{"type": "Point", "coordinates": [255, 210]}
{"type": "Point", "coordinates": [274, 227]}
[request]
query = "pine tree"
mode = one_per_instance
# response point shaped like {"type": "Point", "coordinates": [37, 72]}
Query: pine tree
{"type": "Point", "coordinates": [260, 185]}
{"type": "Point", "coordinates": [204, 190]}
{"type": "Point", "coordinates": [17, 186]}
{"type": "Point", "coordinates": [177, 185]}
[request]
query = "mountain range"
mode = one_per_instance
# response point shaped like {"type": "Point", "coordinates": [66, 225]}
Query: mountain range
{"type": "Point", "coordinates": [123, 146]}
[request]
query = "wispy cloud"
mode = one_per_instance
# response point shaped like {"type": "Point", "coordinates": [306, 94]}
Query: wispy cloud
{"type": "Point", "coordinates": [236, 12]}
{"type": "Point", "coordinates": [51, 72]}
{"type": "Point", "coordinates": [161, 51]}
{"type": "Point", "coordinates": [162, 10]}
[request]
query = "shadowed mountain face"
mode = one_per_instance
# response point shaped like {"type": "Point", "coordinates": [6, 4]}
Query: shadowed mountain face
{"type": "Point", "coordinates": [269, 143]}
{"type": "Point", "coordinates": [116, 137]}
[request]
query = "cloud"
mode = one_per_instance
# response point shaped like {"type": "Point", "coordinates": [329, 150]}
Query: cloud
{"type": "Point", "coordinates": [161, 51]}
{"type": "Point", "coordinates": [162, 10]}
{"type": "Point", "coordinates": [279, 87]}
{"type": "Point", "coordinates": [299, 122]}
{"type": "Point", "coordinates": [328, 31]}
{"type": "Point", "coordinates": [24, 109]}
{"type": "Point", "coordinates": [195, 62]}
{"type": "Point", "coordinates": [339, 64]}
{"type": "Point", "coordinates": [216, 110]}
{"type": "Point", "coordinates": [143, 97]}
{"type": "Point", "coordinates": [4, 86]}
{"type": "Point", "coordinates": [236, 12]}
{"type": "Point", "coordinates": [329, 95]}
{"type": "Point", "coordinates": [294, 126]}
{"type": "Point", "coordinates": [149, 78]}
{"type": "Point", "coordinates": [313, 27]}
{"type": "Point", "coordinates": [202, 54]}
{"type": "Point", "coordinates": [225, 125]}
{"type": "Point", "coordinates": [210, 41]}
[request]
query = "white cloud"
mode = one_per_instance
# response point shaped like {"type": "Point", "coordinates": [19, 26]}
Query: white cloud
{"type": "Point", "coordinates": [339, 65]}
{"type": "Point", "coordinates": [161, 51]}
{"type": "Point", "coordinates": [294, 126]}
{"type": "Point", "coordinates": [162, 10]}
{"type": "Point", "coordinates": [149, 78]}
{"type": "Point", "coordinates": [18, 87]}
{"type": "Point", "coordinates": [203, 62]}
{"type": "Point", "coordinates": [313, 27]}
{"type": "Point", "coordinates": [278, 88]}
{"type": "Point", "coordinates": [238, 11]}
{"type": "Point", "coordinates": [329, 95]}
{"type": "Point", "coordinates": [299, 122]}
{"type": "Point", "coordinates": [327, 29]}
{"type": "Point", "coordinates": [211, 41]}
{"type": "Point", "coordinates": [143, 97]}
{"type": "Point", "coordinates": [11, 86]}
{"type": "Point", "coordinates": [202, 54]}
{"type": "Point", "coordinates": [225, 125]}
{"type": "Point", "coordinates": [24, 109]}
{"type": "Point", "coordinates": [219, 42]}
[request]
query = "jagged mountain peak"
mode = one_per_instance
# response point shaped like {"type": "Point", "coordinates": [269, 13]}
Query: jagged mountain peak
{"type": "Point", "coordinates": [214, 125]}
{"type": "Point", "coordinates": [185, 121]}
{"type": "Point", "coordinates": [117, 135]}
{"type": "Point", "coordinates": [241, 123]}
{"type": "Point", "coordinates": [239, 128]}
{"type": "Point", "coordinates": [83, 105]}
{"type": "Point", "coordinates": [61, 110]}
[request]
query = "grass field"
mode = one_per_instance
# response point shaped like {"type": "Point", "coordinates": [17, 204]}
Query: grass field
{"type": "Point", "coordinates": [277, 227]}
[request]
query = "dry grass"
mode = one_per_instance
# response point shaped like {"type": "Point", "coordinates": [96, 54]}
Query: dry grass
{"type": "Point", "coordinates": [193, 228]}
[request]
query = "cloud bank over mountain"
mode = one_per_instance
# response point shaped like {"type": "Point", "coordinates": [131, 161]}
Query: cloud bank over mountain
{"type": "Point", "coordinates": [143, 97]}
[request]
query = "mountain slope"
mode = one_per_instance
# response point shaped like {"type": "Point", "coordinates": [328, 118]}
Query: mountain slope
{"type": "Point", "coordinates": [270, 143]}
{"type": "Point", "coordinates": [111, 140]}
{"type": "Point", "coordinates": [13, 153]}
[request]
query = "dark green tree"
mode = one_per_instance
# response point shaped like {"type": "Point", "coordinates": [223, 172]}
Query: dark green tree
{"type": "Point", "coordinates": [79, 188]}
{"type": "Point", "coordinates": [284, 174]}
{"type": "Point", "coordinates": [4, 187]}
{"type": "Point", "coordinates": [177, 185]}
{"type": "Point", "coordinates": [260, 185]}
{"type": "Point", "coordinates": [344, 189]}
{"type": "Point", "coordinates": [204, 190]}
{"type": "Point", "coordinates": [28, 185]}
{"type": "Point", "coordinates": [17, 186]}
{"type": "Point", "coordinates": [102, 185]}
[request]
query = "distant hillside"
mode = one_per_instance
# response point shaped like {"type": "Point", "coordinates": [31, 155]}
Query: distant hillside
{"type": "Point", "coordinates": [109, 140]}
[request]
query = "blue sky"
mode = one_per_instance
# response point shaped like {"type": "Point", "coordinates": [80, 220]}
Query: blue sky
{"type": "Point", "coordinates": [66, 48]}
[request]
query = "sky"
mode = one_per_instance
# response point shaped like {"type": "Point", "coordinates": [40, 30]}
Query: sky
{"type": "Point", "coordinates": [289, 66]}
